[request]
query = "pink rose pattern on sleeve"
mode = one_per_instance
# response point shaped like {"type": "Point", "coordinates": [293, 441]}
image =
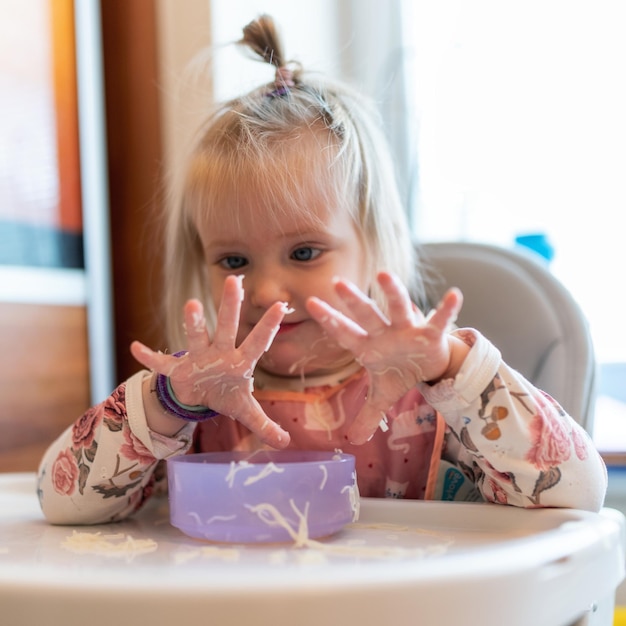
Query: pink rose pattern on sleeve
{"type": "Point", "coordinates": [551, 443]}
{"type": "Point", "coordinates": [125, 470]}
{"type": "Point", "coordinates": [516, 441]}
{"type": "Point", "coordinates": [552, 440]}
{"type": "Point", "coordinates": [65, 473]}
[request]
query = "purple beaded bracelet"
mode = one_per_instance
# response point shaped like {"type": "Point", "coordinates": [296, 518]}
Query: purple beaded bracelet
{"type": "Point", "coordinates": [167, 398]}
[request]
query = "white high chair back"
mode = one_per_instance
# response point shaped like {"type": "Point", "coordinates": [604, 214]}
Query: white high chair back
{"type": "Point", "coordinates": [513, 299]}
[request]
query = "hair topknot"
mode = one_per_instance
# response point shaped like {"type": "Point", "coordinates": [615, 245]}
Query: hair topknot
{"type": "Point", "coordinates": [262, 37]}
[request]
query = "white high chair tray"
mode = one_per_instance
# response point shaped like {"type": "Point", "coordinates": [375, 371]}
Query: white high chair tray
{"type": "Point", "coordinates": [403, 562]}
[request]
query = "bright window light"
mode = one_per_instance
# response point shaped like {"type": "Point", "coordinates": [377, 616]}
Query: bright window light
{"type": "Point", "coordinates": [521, 129]}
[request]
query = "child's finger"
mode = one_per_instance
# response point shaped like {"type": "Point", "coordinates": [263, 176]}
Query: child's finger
{"type": "Point", "coordinates": [262, 335]}
{"type": "Point", "coordinates": [150, 359]}
{"type": "Point", "coordinates": [195, 326]}
{"type": "Point", "coordinates": [261, 425]}
{"type": "Point", "coordinates": [364, 310]}
{"type": "Point", "coordinates": [142, 353]}
{"type": "Point", "coordinates": [400, 307]}
{"type": "Point", "coordinates": [338, 326]}
{"type": "Point", "coordinates": [228, 314]}
{"type": "Point", "coordinates": [365, 425]}
{"type": "Point", "coordinates": [447, 310]}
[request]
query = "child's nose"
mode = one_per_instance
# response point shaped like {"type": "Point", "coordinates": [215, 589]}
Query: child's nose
{"type": "Point", "coordinates": [265, 290]}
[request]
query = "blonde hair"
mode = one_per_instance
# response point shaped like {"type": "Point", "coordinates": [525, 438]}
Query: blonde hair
{"type": "Point", "coordinates": [249, 138]}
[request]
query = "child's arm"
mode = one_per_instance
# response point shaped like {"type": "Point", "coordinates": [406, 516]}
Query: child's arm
{"type": "Point", "coordinates": [101, 468]}
{"type": "Point", "coordinates": [516, 442]}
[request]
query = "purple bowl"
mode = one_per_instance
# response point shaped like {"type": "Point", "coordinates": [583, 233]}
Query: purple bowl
{"type": "Point", "coordinates": [262, 496]}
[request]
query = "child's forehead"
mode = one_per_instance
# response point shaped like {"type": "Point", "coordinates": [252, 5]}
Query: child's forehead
{"type": "Point", "coordinates": [267, 208]}
{"type": "Point", "coordinates": [292, 200]}
{"type": "Point", "coordinates": [293, 183]}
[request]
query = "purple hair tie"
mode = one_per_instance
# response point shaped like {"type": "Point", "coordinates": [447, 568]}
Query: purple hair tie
{"type": "Point", "coordinates": [167, 398]}
{"type": "Point", "coordinates": [275, 93]}
{"type": "Point", "coordinates": [283, 81]}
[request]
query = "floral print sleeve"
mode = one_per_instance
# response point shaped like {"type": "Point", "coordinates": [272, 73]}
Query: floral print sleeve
{"type": "Point", "coordinates": [103, 467]}
{"type": "Point", "coordinates": [515, 442]}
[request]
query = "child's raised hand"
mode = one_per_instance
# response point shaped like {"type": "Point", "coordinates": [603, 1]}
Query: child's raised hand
{"type": "Point", "coordinates": [398, 352]}
{"type": "Point", "coordinates": [217, 373]}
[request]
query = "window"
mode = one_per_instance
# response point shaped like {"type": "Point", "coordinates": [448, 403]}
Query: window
{"type": "Point", "coordinates": [520, 129]}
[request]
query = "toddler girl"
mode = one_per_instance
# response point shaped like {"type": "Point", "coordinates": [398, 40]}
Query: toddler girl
{"type": "Point", "coordinates": [290, 288]}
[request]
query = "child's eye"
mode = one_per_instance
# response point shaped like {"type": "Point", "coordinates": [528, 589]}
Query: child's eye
{"type": "Point", "coordinates": [233, 262]}
{"type": "Point", "coordinates": [306, 253]}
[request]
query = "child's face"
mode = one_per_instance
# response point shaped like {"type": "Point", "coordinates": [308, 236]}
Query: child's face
{"type": "Point", "coordinates": [288, 259]}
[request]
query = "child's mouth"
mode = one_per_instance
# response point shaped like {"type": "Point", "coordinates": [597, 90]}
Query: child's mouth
{"type": "Point", "coordinates": [288, 327]}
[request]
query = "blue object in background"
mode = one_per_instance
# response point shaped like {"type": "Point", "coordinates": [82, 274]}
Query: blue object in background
{"type": "Point", "coordinates": [539, 243]}
{"type": "Point", "coordinates": [611, 381]}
